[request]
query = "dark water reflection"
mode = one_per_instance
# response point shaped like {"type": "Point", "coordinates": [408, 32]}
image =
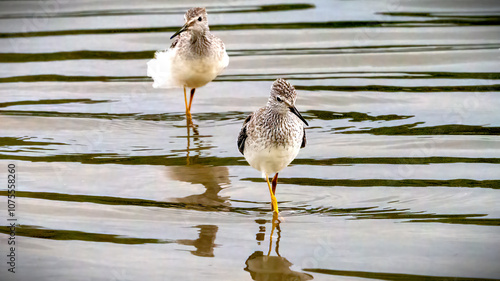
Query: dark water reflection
{"type": "Point", "coordinates": [272, 267]}
{"type": "Point", "coordinates": [213, 178]}
{"type": "Point", "coordinates": [205, 243]}
{"type": "Point", "coordinates": [385, 276]}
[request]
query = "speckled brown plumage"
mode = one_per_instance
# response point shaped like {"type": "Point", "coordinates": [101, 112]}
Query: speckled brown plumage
{"type": "Point", "coordinates": [273, 127]}
{"type": "Point", "coordinates": [195, 12]}
{"type": "Point", "coordinates": [194, 58]}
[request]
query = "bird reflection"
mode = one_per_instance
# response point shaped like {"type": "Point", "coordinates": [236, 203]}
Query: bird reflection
{"type": "Point", "coordinates": [213, 178]}
{"type": "Point", "coordinates": [268, 267]}
{"type": "Point", "coordinates": [205, 243]}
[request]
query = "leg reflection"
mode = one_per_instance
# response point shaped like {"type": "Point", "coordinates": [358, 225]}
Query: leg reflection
{"type": "Point", "coordinates": [213, 178]}
{"type": "Point", "coordinates": [190, 125]}
{"type": "Point", "coordinates": [275, 225]}
{"type": "Point", "coordinates": [269, 267]}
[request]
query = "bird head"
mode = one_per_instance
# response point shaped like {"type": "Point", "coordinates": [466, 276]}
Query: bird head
{"type": "Point", "coordinates": [282, 98]}
{"type": "Point", "coordinates": [195, 21]}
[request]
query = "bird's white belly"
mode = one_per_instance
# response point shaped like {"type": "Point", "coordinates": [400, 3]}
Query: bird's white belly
{"type": "Point", "coordinates": [195, 73]}
{"type": "Point", "coordinates": [170, 70]}
{"type": "Point", "coordinates": [272, 159]}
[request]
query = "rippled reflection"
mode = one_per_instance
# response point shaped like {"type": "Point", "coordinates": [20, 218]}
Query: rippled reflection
{"type": "Point", "coordinates": [205, 243]}
{"type": "Point", "coordinates": [272, 267]}
{"type": "Point", "coordinates": [213, 178]}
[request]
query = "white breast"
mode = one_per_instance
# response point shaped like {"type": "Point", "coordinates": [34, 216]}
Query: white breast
{"type": "Point", "coordinates": [270, 160]}
{"type": "Point", "coordinates": [170, 70]}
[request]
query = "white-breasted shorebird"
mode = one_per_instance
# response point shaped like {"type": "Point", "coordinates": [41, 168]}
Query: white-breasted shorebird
{"type": "Point", "coordinates": [195, 57]}
{"type": "Point", "coordinates": [272, 136]}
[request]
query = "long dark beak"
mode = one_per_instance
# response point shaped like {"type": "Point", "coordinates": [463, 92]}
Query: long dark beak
{"type": "Point", "coordinates": [183, 28]}
{"type": "Point", "coordinates": [296, 112]}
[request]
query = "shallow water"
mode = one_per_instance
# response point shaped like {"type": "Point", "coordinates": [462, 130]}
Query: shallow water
{"type": "Point", "coordinates": [399, 179]}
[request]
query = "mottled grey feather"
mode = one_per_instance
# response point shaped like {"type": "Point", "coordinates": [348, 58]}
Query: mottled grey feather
{"type": "Point", "coordinates": [195, 12]}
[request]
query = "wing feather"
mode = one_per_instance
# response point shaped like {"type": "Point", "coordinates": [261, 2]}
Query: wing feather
{"type": "Point", "coordinates": [242, 137]}
{"type": "Point", "coordinates": [304, 141]}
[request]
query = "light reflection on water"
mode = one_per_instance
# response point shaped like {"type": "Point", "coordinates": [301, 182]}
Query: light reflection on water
{"type": "Point", "coordinates": [399, 180]}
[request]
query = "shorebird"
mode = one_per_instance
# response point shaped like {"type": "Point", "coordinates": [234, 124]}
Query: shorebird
{"type": "Point", "coordinates": [195, 57]}
{"type": "Point", "coordinates": [272, 136]}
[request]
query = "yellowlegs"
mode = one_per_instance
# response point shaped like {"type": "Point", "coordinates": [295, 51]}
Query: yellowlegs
{"type": "Point", "coordinates": [272, 136]}
{"type": "Point", "coordinates": [195, 57]}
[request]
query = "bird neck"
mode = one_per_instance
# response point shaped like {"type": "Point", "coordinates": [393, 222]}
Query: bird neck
{"type": "Point", "coordinates": [198, 35]}
{"type": "Point", "coordinates": [278, 116]}
{"type": "Point", "coordinates": [199, 41]}
{"type": "Point", "coordinates": [277, 111]}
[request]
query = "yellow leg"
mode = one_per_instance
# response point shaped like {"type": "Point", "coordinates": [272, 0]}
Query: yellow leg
{"type": "Point", "coordinates": [188, 112]}
{"type": "Point", "coordinates": [274, 202]}
{"type": "Point", "coordinates": [188, 124]}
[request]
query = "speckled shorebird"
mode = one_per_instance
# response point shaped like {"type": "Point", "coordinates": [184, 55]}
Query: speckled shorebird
{"type": "Point", "coordinates": [272, 136]}
{"type": "Point", "coordinates": [195, 57]}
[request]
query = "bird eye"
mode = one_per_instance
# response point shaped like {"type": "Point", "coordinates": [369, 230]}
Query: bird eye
{"type": "Point", "coordinates": [199, 19]}
{"type": "Point", "coordinates": [279, 99]}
